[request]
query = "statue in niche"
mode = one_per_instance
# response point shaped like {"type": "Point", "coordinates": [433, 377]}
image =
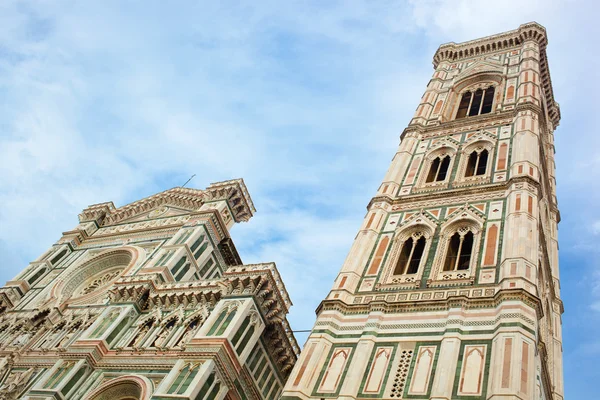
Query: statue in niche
{"type": "Point", "coordinates": [64, 342]}
{"type": "Point", "coordinates": [4, 363]}
{"type": "Point", "coordinates": [187, 336]}
{"type": "Point", "coordinates": [14, 384]}
{"type": "Point", "coordinates": [161, 339]}
{"type": "Point", "coordinates": [21, 339]}
{"type": "Point", "coordinates": [138, 338]}
{"type": "Point", "coordinates": [48, 340]}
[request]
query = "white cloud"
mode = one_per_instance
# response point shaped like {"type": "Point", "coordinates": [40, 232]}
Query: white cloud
{"type": "Point", "coordinates": [303, 100]}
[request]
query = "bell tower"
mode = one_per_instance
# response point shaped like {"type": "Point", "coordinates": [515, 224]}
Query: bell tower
{"type": "Point", "coordinates": [451, 287]}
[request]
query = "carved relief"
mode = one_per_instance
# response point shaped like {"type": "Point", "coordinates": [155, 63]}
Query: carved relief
{"type": "Point", "coordinates": [15, 383]}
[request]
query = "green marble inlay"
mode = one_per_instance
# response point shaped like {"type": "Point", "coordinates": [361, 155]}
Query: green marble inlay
{"type": "Point", "coordinates": [378, 395]}
{"type": "Point", "coordinates": [352, 346]}
{"type": "Point", "coordinates": [486, 370]}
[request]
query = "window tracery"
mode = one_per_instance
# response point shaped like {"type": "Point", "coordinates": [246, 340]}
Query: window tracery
{"type": "Point", "coordinates": [477, 101]}
{"type": "Point", "coordinates": [82, 281]}
{"type": "Point", "coordinates": [458, 250]}
{"type": "Point", "coordinates": [408, 257]}
{"type": "Point", "coordinates": [185, 377]}
{"type": "Point", "coordinates": [437, 166]}
{"type": "Point", "coordinates": [477, 163]}
{"type": "Point", "coordinates": [438, 169]}
{"type": "Point", "coordinates": [98, 282]}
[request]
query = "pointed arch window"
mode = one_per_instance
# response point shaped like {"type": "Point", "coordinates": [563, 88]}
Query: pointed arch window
{"type": "Point", "coordinates": [477, 163]}
{"type": "Point", "coordinates": [184, 379]}
{"type": "Point", "coordinates": [460, 249]}
{"type": "Point", "coordinates": [476, 102]}
{"type": "Point", "coordinates": [439, 169]}
{"type": "Point", "coordinates": [410, 256]}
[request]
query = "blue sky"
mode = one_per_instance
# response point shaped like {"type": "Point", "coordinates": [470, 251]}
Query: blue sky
{"type": "Point", "coordinates": [305, 100]}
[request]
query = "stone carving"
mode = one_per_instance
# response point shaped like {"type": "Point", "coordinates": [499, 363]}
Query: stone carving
{"type": "Point", "coordinates": [98, 282]}
{"type": "Point", "coordinates": [14, 384]}
{"type": "Point", "coordinates": [138, 338]}
{"type": "Point", "coordinates": [161, 339]}
{"type": "Point", "coordinates": [21, 339]}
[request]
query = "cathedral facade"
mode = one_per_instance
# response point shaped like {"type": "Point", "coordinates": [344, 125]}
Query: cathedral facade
{"type": "Point", "coordinates": [148, 301]}
{"type": "Point", "coordinates": [451, 287]}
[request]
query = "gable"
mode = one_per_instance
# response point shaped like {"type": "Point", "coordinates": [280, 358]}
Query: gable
{"type": "Point", "coordinates": [157, 213]}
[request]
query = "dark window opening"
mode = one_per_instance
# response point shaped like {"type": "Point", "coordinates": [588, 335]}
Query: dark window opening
{"type": "Point", "coordinates": [471, 164]}
{"type": "Point", "coordinates": [464, 105]}
{"type": "Point", "coordinates": [477, 163]}
{"type": "Point", "coordinates": [438, 170]}
{"type": "Point", "coordinates": [477, 103]}
{"type": "Point", "coordinates": [464, 258]}
{"type": "Point", "coordinates": [407, 248]}
{"type": "Point", "coordinates": [435, 166]}
{"type": "Point", "coordinates": [410, 256]}
{"type": "Point", "coordinates": [443, 169]}
{"type": "Point", "coordinates": [458, 255]}
{"type": "Point", "coordinates": [57, 258]}
{"type": "Point", "coordinates": [33, 279]}
{"type": "Point", "coordinates": [482, 164]}
{"type": "Point", "coordinates": [488, 100]}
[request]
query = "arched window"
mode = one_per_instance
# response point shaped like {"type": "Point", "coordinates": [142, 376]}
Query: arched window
{"type": "Point", "coordinates": [438, 169]}
{"type": "Point", "coordinates": [410, 256]}
{"type": "Point", "coordinates": [477, 164]}
{"type": "Point", "coordinates": [458, 255]}
{"type": "Point", "coordinates": [475, 103]}
{"type": "Point", "coordinates": [184, 379]}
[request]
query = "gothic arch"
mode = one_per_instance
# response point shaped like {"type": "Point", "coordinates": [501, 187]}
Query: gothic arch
{"type": "Point", "coordinates": [155, 316]}
{"type": "Point", "coordinates": [176, 316]}
{"type": "Point", "coordinates": [126, 387]}
{"type": "Point", "coordinates": [473, 81]}
{"type": "Point", "coordinates": [98, 272]}
{"type": "Point", "coordinates": [200, 314]}
{"type": "Point", "coordinates": [444, 148]}
{"type": "Point", "coordinates": [462, 221]}
{"type": "Point", "coordinates": [484, 78]}
{"type": "Point", "coordinates": [418, 226]}
{"type": "Point", "coordinates": [477, 143]}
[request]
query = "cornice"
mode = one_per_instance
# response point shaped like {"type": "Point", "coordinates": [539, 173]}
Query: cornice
{"type": "Point", "coordinates": [458, 301]}
{"type": "Point", "coordinates": [498, 118]}
{"type": "Point", "coordinates": [513, 39]}
{"type": "Point", "coordinates": [232, 191]}
{"type": "Point", "coordinates": [532, 31]}
{"type": "Point", "coordinates": [496, 189]}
